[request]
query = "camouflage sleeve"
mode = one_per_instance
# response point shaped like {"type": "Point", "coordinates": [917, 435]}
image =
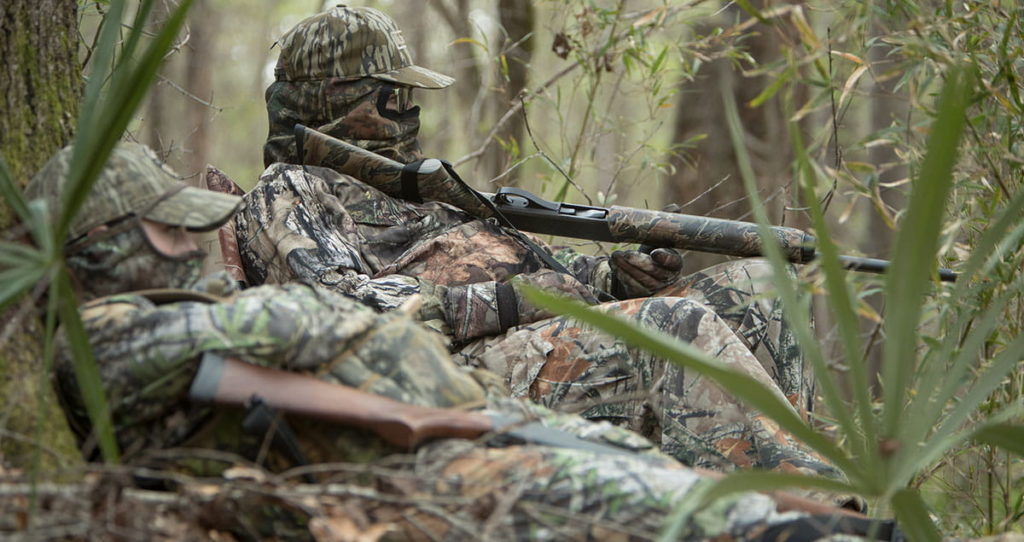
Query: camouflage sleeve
{"type": "Point", "coordinates": [489, 308]}
{"type": "Point", "coordinates": [594, 271]}
{"type": "Point", "coordinates": [148, 353]}
{"type": "Point", "coordinates": [295, 227]}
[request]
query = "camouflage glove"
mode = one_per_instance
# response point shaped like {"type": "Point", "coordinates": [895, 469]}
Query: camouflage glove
{"type": "Point", "coordinates": [484, 309]}
{"type": "Point", "coordinates": [638, 274]}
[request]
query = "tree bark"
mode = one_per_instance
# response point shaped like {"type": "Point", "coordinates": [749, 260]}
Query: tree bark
{"type": "Point", "coordinates": [517, 18]}
{"type": "Point", "coordinates": [707, 177]}
{"type": "Point", "coordinates": [40, 88]}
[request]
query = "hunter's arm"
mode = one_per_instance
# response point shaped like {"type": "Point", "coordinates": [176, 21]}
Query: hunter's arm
{"type": "Point", "coordinates": [300, 226]}
{"type": "Point", "coordinates": [147, 353]}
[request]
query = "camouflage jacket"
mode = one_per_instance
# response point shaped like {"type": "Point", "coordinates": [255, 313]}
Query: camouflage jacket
{"type": "Point", "coordinates": [316, 225]}
{"type": "Point", "coordinates": [148, 353]}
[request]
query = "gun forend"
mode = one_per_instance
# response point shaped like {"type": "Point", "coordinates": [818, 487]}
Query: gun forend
{"type": "Point", "coordinates": [616, 224]}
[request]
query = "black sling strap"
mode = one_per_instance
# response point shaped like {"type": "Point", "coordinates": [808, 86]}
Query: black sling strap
{"type": "Point", "coordinates": [410, 182]}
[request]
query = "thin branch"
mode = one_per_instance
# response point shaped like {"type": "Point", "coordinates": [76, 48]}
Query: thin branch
{"type": "Point", "coordinates": [516, 107]}
{"type": "Point", "coordinates": [568, 179]}
{"type": "Point", "coordinates": [188, 94]}
{"type": "Point", "coordinates": [835, 128]}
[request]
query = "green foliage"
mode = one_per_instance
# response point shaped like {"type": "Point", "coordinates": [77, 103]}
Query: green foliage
{"type": "Point", "coordinates": [121, 74]}
{"type": "Point", "coordinates": [949, 354]}
{"type": "Point", "coordinates": [884, 450]}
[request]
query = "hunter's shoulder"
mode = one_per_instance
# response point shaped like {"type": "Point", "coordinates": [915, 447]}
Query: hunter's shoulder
{"type": "Point", "coordinates": [298, 177]}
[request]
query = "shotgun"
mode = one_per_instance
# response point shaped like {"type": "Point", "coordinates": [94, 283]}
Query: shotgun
{"type": "Point", "coordinates": [434, 180]}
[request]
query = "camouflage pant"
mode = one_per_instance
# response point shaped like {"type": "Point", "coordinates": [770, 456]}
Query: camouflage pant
{"type": "Point", "coordinates": [561, 365]}
{"type": "Point", "coordinates": [539, 493]}
{"type": "Point", "coordinates": [740, 292]}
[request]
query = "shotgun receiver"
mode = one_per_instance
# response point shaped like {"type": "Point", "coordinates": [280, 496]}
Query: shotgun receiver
{"type": "Point", "coordinates": [430, 180]}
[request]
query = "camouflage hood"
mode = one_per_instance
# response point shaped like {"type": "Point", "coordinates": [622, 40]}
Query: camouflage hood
{"type": "Point", "coordinates": [346, 110]}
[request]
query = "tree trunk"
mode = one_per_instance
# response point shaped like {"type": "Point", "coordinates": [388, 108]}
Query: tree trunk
{"type": "Point", "coordinates": [517, 18]}
{"type": "Point", "coordinates": [40, 85]}
{"type": "Point", "coordinates": [707, 178]}
{"type": "Point", "coordinates": [199, 82]}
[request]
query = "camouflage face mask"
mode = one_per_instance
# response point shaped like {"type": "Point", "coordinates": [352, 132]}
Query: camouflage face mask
{"type": "Point", "coordinates": [371, 114]}
{"type": "Point", "coordinates": [128, 262]}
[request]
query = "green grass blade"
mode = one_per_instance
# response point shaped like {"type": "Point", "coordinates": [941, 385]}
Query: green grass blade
{"type": "Point", "coordinates": [745, 5]}
{"type": "Point", "coordinates": [683, 511]}
{"type": "Point", "coordinates": [942, 381]}
{"type": "Point", "coordinates": [916, 246]}
{"type": "Point", "coordinates": [796, 312]}
{"type": "Point", "coordinates": [991, 377]}
{"type": "Point", "coordinates": [937, 447]}
{"type": "Point", "coordinates": [40, 224]}
{"type": "Point", "coordinates": [746, 388]}
{"type": "Point", "coordinates": [913, 517]}
{"type": "Point", "coordinates": [841, 306]}
{"type": "Point", "coordinates": [16, 281]}
{"type": "Point", "coordinates": [86, 371]}
{"type": "Point", "coordinates": [11, 193]}
{"type": "Point", "coordinates": [16, 254]}
{"type": "Point", "coordinates": [103, 59]}
{"type": "Point", "coordinates": [756, 480]}
{"type": "Point", "coordinates": [995, 242]}
{"type": "Point", "coordinates": [141, 16]}
{"type": "Point", "coordinates": [1004, 435]}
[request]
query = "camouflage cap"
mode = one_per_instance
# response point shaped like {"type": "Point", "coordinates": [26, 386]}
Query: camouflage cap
{"type": "Point", "coordinates": [134, 181]}
{"type": "Point", "coordinates": [351, 43]}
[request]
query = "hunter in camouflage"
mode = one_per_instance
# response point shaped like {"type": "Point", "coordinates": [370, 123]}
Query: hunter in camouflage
{"type": "Point", "coordinates": [313, 224]}
{"type": "Point", "coordinates": [147, 343]}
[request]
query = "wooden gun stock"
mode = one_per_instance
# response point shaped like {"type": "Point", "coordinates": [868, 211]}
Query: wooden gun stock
{"type": "Point", "coordinates": [233, 382]}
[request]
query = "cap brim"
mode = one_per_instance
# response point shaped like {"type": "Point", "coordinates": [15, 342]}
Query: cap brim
{"type": "Point", "coordinates": [416, 76]}
{"type": "Point", "coordinates": [196, 209]}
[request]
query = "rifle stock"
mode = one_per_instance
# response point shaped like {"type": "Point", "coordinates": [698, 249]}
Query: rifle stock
{"type": "Point", "coordinates": [232, 382]}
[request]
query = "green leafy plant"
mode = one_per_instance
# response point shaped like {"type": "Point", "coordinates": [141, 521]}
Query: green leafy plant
{"type": "Point", "coordinates": [929, 394]}
{"type": "Point", "coordinates": [122, 70]}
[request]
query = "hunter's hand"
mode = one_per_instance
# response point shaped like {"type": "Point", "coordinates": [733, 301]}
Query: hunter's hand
{"type": "Point", "coordinates": [638, 274]}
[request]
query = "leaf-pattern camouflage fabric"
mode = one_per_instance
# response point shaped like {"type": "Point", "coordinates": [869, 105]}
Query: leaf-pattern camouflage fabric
{"type": "Point", "coordinates": [319, 226]}
{"type": "Point", "coordinates": [562, 365]}
{"type": "Point", "coordinates": [133, 182]}
{"type": "Point", "coordinates": [351, 43]}
{"type": "Point", "coordinates": [148, 354]}
{"type": "Point", "coordinates": [539, 493]}
{"type": "Point", "coordinates": [346, 110]}
{"type": "Point", "coordinates": [329, 229]}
